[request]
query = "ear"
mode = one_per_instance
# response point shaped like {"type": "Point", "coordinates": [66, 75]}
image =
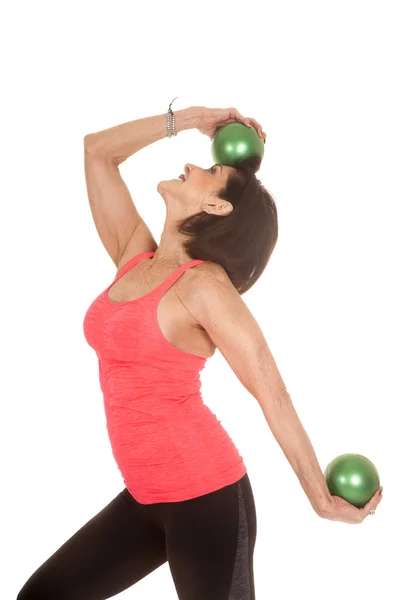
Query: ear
{"type": "Point", "coordinates": [217, 206]}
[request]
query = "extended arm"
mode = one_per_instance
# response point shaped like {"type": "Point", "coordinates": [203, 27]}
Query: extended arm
{"type": "Point", "coordinates": [216, 305]}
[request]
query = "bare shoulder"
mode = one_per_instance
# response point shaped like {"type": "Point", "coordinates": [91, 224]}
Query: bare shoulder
{"type": "Point", "coordinates": [207, 283]}
{"type": "Point", "coordinates": [208, 274]}
{"type": "Point", "coordinates": [215, 304]}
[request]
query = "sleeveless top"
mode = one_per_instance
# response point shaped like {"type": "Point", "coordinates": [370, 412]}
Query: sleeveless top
{"type": "Point", "coordinates": [168, 445]}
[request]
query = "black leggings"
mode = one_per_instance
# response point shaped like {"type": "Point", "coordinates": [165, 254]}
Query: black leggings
{"type": "Point", "coordinates": [208, 542]}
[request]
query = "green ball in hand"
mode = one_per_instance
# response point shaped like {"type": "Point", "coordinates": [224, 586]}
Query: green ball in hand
{"type": "Point", "coordinates": [352, 477]}
{"type": "Point", "coordinates": [234, 143]}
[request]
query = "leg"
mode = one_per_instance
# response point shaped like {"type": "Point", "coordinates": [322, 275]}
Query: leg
{"type": "Point", "coordinates": [115, 549]}
{"type": "Point", "coordinates": [210, 544]}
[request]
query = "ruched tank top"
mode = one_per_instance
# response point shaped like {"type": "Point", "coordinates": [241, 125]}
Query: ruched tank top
{"type": "Point", "coordinates": [167, 444]}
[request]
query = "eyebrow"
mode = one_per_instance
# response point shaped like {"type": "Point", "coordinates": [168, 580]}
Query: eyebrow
{"type": "Point", "coordinates": [218, 165]}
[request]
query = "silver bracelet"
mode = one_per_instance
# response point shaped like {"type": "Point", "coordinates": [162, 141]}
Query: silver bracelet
{"type": "Point", "coordinates": [171, 117]}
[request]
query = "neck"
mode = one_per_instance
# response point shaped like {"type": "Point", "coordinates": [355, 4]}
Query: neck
{"type": "Point", "coordinates": [170, 250]}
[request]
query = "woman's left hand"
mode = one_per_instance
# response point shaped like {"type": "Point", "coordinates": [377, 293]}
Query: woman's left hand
{"type": "Point", "coordinates": [211, 119]}
{"type": "Point", "coordinates": [340, 510]}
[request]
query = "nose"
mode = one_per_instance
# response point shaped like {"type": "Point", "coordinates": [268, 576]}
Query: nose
{"type": "Point", "coordinates": [188, 168]}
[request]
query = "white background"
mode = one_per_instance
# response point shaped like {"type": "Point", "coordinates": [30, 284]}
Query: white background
{"type": "Point", "coordinates": [322, 79]}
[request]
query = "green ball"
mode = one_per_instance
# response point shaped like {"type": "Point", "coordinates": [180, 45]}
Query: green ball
{"type": "Point", "coordinates": [234, 143]}
{"type": "Point", "coordinates": [353, 477]}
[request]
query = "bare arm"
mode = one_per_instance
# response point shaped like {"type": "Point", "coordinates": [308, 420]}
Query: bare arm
{"type": "Point", "coordinates": [119, 142]}
{"type": "Point", "coordinates": [216, 305]}
{"type": "Point", "coordinates": [115, 215]}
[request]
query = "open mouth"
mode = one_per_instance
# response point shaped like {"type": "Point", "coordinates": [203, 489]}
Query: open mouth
{"type": "Point", "coordinates": [182, 177]}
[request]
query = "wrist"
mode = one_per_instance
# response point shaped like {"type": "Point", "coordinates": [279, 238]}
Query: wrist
{"type": "Point", "coordinates": [323, 509]}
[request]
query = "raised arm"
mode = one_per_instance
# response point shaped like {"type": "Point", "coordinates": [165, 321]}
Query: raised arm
{"type": "Point", "coordinates": [115, 215]}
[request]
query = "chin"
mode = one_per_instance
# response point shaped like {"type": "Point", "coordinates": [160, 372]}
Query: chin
{"type": "Point", "coordinates": [162, 187]}
{"type": "Point", "coordinates": [167, 185]}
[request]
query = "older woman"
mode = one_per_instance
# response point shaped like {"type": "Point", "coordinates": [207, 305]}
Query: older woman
{"type": "Point", "coordinates": [188, 498]}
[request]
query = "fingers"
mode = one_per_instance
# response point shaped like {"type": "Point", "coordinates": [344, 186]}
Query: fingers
{"type": "Point", "coordinates": [374, 502]}
{"type": "Point", "coordinates": [251, 123]}
{"type": "Point", "coordinates": [376, 498]}
{"type": "Point", "coordinates": [241, 118]}
{"type": "Point", "coordinates": [258, 128]}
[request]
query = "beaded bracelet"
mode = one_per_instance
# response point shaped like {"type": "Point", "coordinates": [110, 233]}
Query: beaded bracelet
{"type": "Point", "coordinates": [171, 116]}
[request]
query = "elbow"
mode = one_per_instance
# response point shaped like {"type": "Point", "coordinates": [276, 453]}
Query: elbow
{"type": "Point", "coordinates": [276, 403]}
{"type": "Point", "coordinates": [282, 400]}
{"type": "Point", "coordinates": [91, 144]}
{"type": "Point", "coordinates": [95, 149]}
{"type": "Point", "coordinates": [88, 142]}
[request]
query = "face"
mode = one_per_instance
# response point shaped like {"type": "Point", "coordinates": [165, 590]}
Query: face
{"type": "Point", "coordinates": [197, 192]}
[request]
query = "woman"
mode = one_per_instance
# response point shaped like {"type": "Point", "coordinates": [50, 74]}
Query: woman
{"type": "Point", "coordinates": [188, 498]}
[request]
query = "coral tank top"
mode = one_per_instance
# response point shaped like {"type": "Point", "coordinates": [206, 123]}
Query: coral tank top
{"type": "Point", "coordinates": [168, 445]}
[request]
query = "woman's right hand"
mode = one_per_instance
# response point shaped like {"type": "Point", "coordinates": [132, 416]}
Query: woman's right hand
{"type": "Point", "coordinates": [340, 510]}
{"type": "Point", "coordinates": [211, 119]}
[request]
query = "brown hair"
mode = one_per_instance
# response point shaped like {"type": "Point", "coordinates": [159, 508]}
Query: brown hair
{"type": "Point", "coordinates": [242, 241]}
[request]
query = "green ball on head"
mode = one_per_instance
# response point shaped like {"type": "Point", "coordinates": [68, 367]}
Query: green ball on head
{"type": "Point", "coordinates": [234, 143]}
